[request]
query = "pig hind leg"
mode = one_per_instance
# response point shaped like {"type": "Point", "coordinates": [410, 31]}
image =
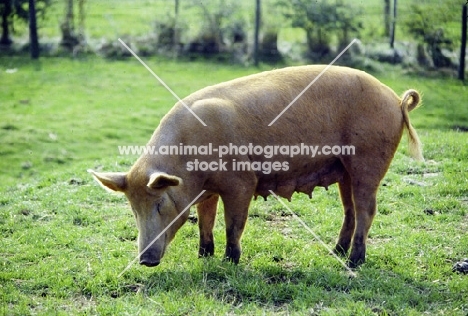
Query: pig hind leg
{"type": "Point", "coordinates": [362, 179]}
{"type": "Point", "coordinates": [365, 208]}
{"type": "Point", "coordinates": [206, 219]}
{"type": "Point", "coordinates": [347, 229]}
{"type": "Point", "coordinates": [365, 183]}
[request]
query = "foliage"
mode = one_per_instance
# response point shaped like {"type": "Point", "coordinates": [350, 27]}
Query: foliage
{"type": "Point", "coordinates": [427, 24]}
{"type": "Point", "coordinates": [322, 20]}
{"type": "Point", "coordinates": [108, 20]}
{"type": "Point", "coordinates": [11, 10]}
{"type": "Point", "coordinates": [167, 32]}
{"type": "Point", "coordinates": [222, 25]}
{"type": "Point", "coordinates": [269, 46]}
{"type": "Point", "coordinates": [70, 37]}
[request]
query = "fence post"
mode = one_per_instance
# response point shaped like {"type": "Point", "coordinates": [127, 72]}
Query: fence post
{"type": "Point", "coordinates": [257, 31]}
{"type": "Point", "coordinates": [393, 29]}
{"type": "Point", "coordinates": [461, 69]}
{"type": "Point", "coordinates": [33, 40]}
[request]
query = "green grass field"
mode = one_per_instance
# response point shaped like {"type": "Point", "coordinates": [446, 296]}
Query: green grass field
{"type": "Point", "coordinates": [65, 240]}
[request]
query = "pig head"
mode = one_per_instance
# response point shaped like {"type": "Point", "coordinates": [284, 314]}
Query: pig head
{"type": "Point", "coordinates": [154, 209]}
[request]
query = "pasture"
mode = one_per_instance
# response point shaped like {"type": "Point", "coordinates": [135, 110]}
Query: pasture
{"type": "Point", "coordinates": [64, 240]}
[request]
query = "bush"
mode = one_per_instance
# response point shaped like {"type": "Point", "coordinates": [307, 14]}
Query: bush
{"type": "Point", "coordinates": [323, 22]}
{"type": "Point", "coordinates": [269, 46]}
{"type": "Point", "coordinates": [427, 24]}
{"type": "Point", "coordinates": [221, 28]}
{"type": "Point", "coordinates": [166, 33]}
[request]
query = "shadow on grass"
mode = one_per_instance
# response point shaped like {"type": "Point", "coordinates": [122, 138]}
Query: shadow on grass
{"type": "Point", "coordinates": [274, 286]}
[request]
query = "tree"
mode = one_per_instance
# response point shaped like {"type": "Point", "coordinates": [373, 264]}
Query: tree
{"type": "Point", "coordinates": [427, 24]}
{"type": "Point", "coordinates": [387, 17]}
{"type": "Point", "coordinates": [218, 26]}
{"type": "Point", "coordinates": [461, 67]}
{"type": "Point", "coordinates": [175, 37]}
{"type": "Point", "coordinates": [12, 10]}
{"type": "Point", "coordinates": [393, 29]}
{"type": "Point", "coordinates": [257, 30]}
{"type": "Point", "coordinates": [34, 41]}
{"type": "Point", "coordinates": [6, 9]}
{"type": "Point", "coordinates": [322, 21]}
{"type": "Point", "coordinates": [70, 37]}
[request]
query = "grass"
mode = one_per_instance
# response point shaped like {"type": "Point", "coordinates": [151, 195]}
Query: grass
{"type": "Point", "coordinates": [65, 240]}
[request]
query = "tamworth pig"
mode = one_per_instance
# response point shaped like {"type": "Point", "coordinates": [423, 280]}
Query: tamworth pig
{"type": "Point", "coordinates": [344, 107]}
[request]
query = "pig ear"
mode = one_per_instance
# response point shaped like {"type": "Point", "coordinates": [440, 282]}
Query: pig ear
{"type": "Point", "coordinates": [160, 180]}
{"type": "Point", "coordinates": [111, 181]}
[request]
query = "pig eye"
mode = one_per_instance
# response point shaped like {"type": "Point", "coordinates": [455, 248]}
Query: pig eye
{"type": "Point", "coordinates": [158, 206]}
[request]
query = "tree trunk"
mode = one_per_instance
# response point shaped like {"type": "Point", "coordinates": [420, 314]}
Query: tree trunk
{"type": "Point", "coordinates": [69, 38]}
{"type": "Point", "coordinates": [257, 31]}
{"type": "Point", "coordinates": [461, 69]}
{"type": "Point", "coordinates": [5, 39]}
{"type": "Point", "coordinates": [387, 17]}
{"type": "Point", "coordinates": [392, 35]}
{"type": "Point", "coordinates": [175, 33]}
{"type": "Point", "coordinates": [81, 15]}
{"type": "Point", "coordinates": [34, 42]}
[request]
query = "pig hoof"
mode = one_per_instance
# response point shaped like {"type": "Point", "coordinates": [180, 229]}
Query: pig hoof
{"type": "Point", "coordinates": [233, 260]}
{"type": "Point", "coordinates": [232, 254]}
{"type": "Point", "coordinates": [206, 251]}
{"type": "Point", "coordinates": [340, 250]}
{"type": "Point", "coordinates": [355, 263]}
{"type": "Point", "coordinates": [204, 254]}
{"type": "Point", "coordinates": [149, 263]}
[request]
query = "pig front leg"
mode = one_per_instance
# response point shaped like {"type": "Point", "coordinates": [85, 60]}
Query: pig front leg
{"type": "Point", "coordinates": [206, 219]}
{"type": "Point", "coordinates": [236, 207]}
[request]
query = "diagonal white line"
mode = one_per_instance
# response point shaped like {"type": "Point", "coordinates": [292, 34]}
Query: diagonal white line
{"type": "Point", "coordinates": [313, 81]}
{"type": "Point", "coordinates": [314, 234]}
{"type": "Point", "coordinates": [161, 81]}
{"type": "Point", "coordinates": [161, 233]}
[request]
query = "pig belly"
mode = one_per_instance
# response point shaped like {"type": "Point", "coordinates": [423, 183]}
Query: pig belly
{"type": "Point", "coordinates": [285, 185]}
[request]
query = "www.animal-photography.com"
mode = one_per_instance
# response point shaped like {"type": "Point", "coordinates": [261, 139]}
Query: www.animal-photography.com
{"type": "Point", "coordinates": [231, 157]}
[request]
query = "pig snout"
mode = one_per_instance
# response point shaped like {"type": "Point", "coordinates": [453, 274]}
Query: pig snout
{"type": "Point", "coordinates": [149, 259]}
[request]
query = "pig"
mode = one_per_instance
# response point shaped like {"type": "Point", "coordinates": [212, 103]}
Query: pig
{"type": "Point", "coordinates": [344, 107]}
